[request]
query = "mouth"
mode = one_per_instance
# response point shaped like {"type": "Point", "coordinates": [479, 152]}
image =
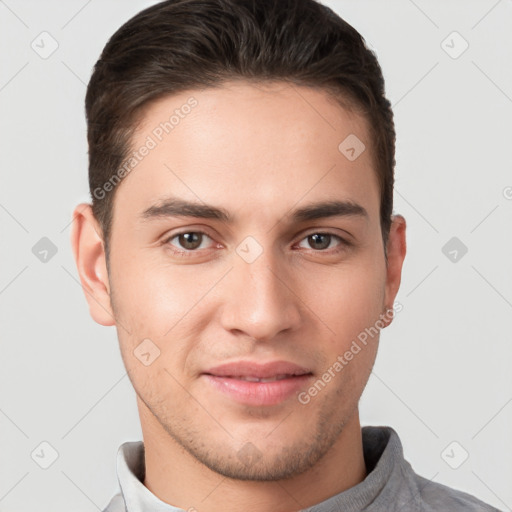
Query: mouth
{"type": "Point", "coordinates": [250, 378]}
{"type": "Point", "coordinates": [256, 384]}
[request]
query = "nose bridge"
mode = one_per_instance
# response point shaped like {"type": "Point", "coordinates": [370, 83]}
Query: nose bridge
{"type": "Point", "coordinates": [260, 302]}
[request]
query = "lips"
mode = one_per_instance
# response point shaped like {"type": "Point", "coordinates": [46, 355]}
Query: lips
{"type": "Point", "coordinates": [257, 384]}
{"type": "Point", "coordinates": [248, 370]}
{"type": "Point", "coordinates": [257, 379]}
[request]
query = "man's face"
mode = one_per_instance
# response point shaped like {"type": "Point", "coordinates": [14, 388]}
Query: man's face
{"type": "Point", "coordinates": [261, 287]}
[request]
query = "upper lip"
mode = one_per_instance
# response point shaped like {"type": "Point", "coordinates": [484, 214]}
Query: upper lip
{"type": "Point", "coordinates": [257, 370]}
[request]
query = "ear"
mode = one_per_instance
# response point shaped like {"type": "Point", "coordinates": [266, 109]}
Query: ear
{"type": "Point", "coordinates": [396, 249]}
{"type": "Point", "coordinates": [89, 253]}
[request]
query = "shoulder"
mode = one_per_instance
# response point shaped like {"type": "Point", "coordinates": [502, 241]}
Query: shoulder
{"type": "Point", "coordinates": [435, 497]}
{"type": "Point", "coordinates": [403, 488]}
{"type": "Point", "coordinates": [116, 504]}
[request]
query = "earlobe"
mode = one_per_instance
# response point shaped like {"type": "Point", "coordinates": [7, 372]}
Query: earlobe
{"type": "Point", "coordinates": [396, 250]}
{"type": "Point", "coordinates": [90, 259]}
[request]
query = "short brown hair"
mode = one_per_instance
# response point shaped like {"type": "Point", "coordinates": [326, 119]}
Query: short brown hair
{"type": "Point", "coordinates": [178, 45]}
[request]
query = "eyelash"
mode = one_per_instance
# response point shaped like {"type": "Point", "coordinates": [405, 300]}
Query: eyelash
{"type": "Point", "coordinates": [190, 252]}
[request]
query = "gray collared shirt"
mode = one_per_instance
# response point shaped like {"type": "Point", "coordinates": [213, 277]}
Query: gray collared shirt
{"type": "Point", "coordinates": [391, 485]}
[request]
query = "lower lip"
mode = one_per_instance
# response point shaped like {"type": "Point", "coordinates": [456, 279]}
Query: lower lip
{"type": "Point", "coordinates": [258, 393]}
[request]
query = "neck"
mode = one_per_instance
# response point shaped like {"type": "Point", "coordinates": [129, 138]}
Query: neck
{"type": "Point", "coordinates": [177, 478]}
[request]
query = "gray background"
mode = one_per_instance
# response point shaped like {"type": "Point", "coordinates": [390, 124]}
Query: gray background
{"type": "Point", "coordinates": [443, 370]}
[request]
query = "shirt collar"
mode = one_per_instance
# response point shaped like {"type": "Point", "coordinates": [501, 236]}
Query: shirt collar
{"type": "Point", "coordinates": [383, 456]}
{"type": "Point", "coordinates": [131, 471]}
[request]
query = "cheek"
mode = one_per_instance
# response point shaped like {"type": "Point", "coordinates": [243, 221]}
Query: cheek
{"type": "Point", "coordinates": [347, 299]}
{"type": "Point", "coordinates": [161, 304]}
{"type": "Point", "coordinates": [153, 297]}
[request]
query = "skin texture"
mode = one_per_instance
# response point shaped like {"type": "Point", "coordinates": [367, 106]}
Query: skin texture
{"type": "Point", "coordinates": [259, 152]}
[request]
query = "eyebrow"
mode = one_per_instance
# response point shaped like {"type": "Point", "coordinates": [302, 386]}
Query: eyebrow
{"type": "Point", "coordinates": [175, 207]}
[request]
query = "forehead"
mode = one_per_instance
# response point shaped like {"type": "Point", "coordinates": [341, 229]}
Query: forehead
{"type": "Point", "coordinates": [253, 146]}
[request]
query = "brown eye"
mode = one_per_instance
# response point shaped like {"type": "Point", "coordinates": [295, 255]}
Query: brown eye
{"type": "Point", "coordinates": [190, 240]}
{"type": "Point", "coordinates": [319, 241]}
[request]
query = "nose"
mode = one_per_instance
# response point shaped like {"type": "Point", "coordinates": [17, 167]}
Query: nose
{"type": "Point", "coordinates": [259, 299]}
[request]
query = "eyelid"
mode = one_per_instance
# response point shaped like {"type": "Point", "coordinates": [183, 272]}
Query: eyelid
{"type": "Point", "coordinates": [346, 237]}
{"type": "Point", "coordinates": [342, 241]}
{"type": "Point", "coordinates": [168, 237]}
